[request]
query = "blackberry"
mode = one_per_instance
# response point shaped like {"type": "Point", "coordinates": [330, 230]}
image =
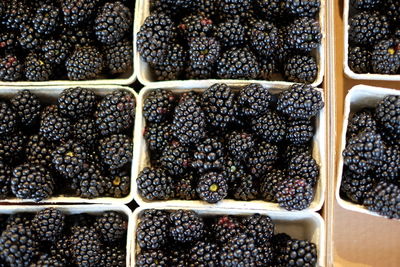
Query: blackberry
{"type": "Point", "coordinates": [309, 8]}
{"type": "Point", "coordinates": [238, 63]}
{"type": "Point", "coordinates": [111, 226]}
{"type": "Point", "coordinates": [273, 9]}
{"type": "Point", "coordinates": [7, 41]}
{"type": "Point", "coordinates": [154, 184]}
{"type": "Point", "coordinates": [115, 112]}
{"type": "Point", "coordinates": [154, 37]}
{"type": "Point", "coordinates": [209, 7]}
{"type": "Point", "coordinates": [254, 100]}
{"type": "Point", "coordinates": [364, 152]}
{"type": "Point", "coordinates": [300, 253]}
{"type": "Point", "coordinates": [301, 69]}
{"type": "Point", "coordinates": [186, 226]}
{"type": "Point", "coordinates": [198, 74]}
{"type": "Point", "coordinates": [5, 180]}
{"type": "Point", "coordinates": [119, 57]}
{"type": "Point", "coordinates": [112, 22]}
{"type": "Point", "coordinates": [76, 102]}
{"type": "Point", "coordinates": [150, 258]}
{"type": "Point", "coordinates": [300, 101]}
{"type": "Point", "coordinates": [152, 232]}
{"type": "Point", "coordinates": [225, 228]}
{"type": "Point", "coordinates": [158, 105]}
{"type": "Point", "coordinates": [268, 66]}
{"type": "Point", "coordinates": [48, 260]}
{"type": "Point", "coordinates": [262, 157]}
{"type": "Point", "coordinates": [8, 119]}
{"type": "Point", "coordinates": [89, 183]}
{"type": "Point", "coordinates": [279, 244]}
{"type": "Point", "coordinates": [203, 51]}
{"type": "Point", "coordinates": [271, 127]}
{"type": "Point", "coordinates": [10, 68]}
{"type": "Point", "coordinates": [189, 122]}
{"type": "Point", "coordinates": [219, 105]}
{"type": "Point", "coordinates": [55, 51]}
{"type": "Point", "coordinates": [60, 249]}
{"type": "Point", "coordinates": [240, 250]}
{"type": "Point", "coordinates": [23, 219]}
{"type": "Point", "coordinates": [68, 158]}
{"type": "Point", "coordinates": [294, 194]}
{"type": "Point", "coordinates": [387, 114]}
{"type": "Point", "coordinates": [85, 63]}
{"type": "Point", "coordinates": [173, 64]}
{"type": "Point", "coordinates": [77, 12]}
{"type": "Point", "coordinates": [360, 121]}
{"type": "Point", "coordinates": [299, 131]}
{"type": "Point", "coordinates": [175, 159]}
{"type": "Point", "coordinates": [29, 39]}
{"type": "Point", "coordinates": [230, 33]}
{"type": "Point", "coordinates": [359, 59]}
{"type": "Point", "coordinates": [39, 151]}
{"type": "Point", "coordinates": [367, 28]}
{"type": "Point", "coordinates": [48, 224]}
{"type": "Point", "coordinates": [196, 26]}
{"type": "Point", "coordinates": [260, 227]}
{"type": "Point", "coordinates": [246, 188]}
{"type": "Point", "coordinates": [158, 136]}
{"type": "Point", "coordinates": [119, 183]}
{"type": "Point", "coordinates": [365, 4]}
{"type": "Point", "coordinates": [12, 147]}
{"type": "Point", "coordinates": [389, 169]}
{"type": "Point", "coordinates": [385, 57]}
{"type": "Point", "coordinates": [27, 106]}
{"type": "Point", "coordinates": [185, 188]}
{"type": "Point", "coordinates": [232, 8]}
{"type": "Point", "coordinates": [384, 200]}
{"type": "Point", "coordinates": [393, 11]}
{"type": "Point", "coordinates": [85, 131]}
{"type": "Point", "coordinates": [45, 19]}
{"type": "Point", "coordinates": [209, 155]}
{"type": "Point", "coordinates": [204, 254]}
{"type": "Point", "coordinates": [355, 186]}
{"type": "Point", "coordinates": [305, 34]}
{"type": "Point", "coordinates": [116, 150]}
{"type": "Point", "coordinates": [77, 37]}
{"type": "Point", "coordinates": [269, 183]}
{"type": "Point", "coordinates": [240, 144]}
{"type": "Point", "coordinates": [32, 181]}
{"type": "Point", "coordinates": [263, 37]}
{"type": "Point", "coordinates": [37, 69]}
{"type": "Point", "coordinates": [16, 13]}
{"type": "Point", "coordinates": [85, 246]}
{"type": "Point", "coordinates": [212, 187]}
{"type": "Point", "coordinates": [305, 166]}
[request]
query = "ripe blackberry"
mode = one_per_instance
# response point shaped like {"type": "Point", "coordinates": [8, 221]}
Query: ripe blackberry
{"type": "Point", "coordinates": [359, 59]}
{"type": "Point", "coordinates": [263, 37]}
{"type": "Point", "coordinates": [85, 131]}
{"type": "Point", "coordinates": [37, 68]}
{"type": "Point", "coordinates": [196, 26]}
{"type": "Point", "coordinates": [154, 37]}
{"type": "Point", "coordinates": [271, 127]}
{"type": "Point", "coordinates": [254, 100]}
{"type": "Point", "coordinates": [300, 253]}
{"type": "Point", "coordinates": [78, 36]}
{"type": "Point", "coordinates": [189, 122]}
{"type": "Point", "coordinates": [225, 228]}
{"type": "Point", "coordinates": [8, 119]}
{"type": "Point", "coordinates": [77, 12]}
{"type": "Point", "coordinates": [246, 188]}
{"type": "Point", "coordinates": [158, 136]}
{"type": "Point", "coordinates": [385, 57]}
{"type": "Point", "coordinates": [76, 102]}
{"type": "Point", "coordinates": [199, 74]}
{"type": "Point", "coordinates": [175, 159]}
{"type": "Point", "coordinates": [10, 68]}
{"type": "Point", "coordinates": [7, 40]}
{"type": "Point", "coordinates": [387, 114]}
{"type": "Point", "coordinates": [239, 251]}
{"type": "Point", "coordinates": [309, 8]}
{"type": "Point", "coordinates": [300, 101]}
{"type": "Point", "coordinates": [119, 183]}
{"type": "Point", "coordinates": [360, 121]}
{"type": "Point", "coordinates": [299, 131]}
{"type": "Point", "coordinates": [27, 106]}
{"type": "Point", "coordinates": [48, 224]}
{"type": "Point", "coordinates": [89, 183]}
{"type": "Point", "coordinates": [204, 254]}
{"type": "Point", "coordinates": [209, 155]}
{"type": "Point", "coordinates": [5, 180]}
{"type": "Point", "coordinates": [273, 9]}
{"type": "Point", "coordinates": [173, 64]}
{"type": "Point", "coordinates": [260, 227]}
{"type": "Point", "coordinates": [389, 170]}
{"type": "Point", "coordinates": [45, 19]}
{"type": "Point", "coordinates": [355, 186]}
{"type": "Point", "coordinates": [158, 105]}
{"type": "Point", "coordinates": [85, 63]}
{"type": "Point", "coordinates": [240, 144]}
{"type": "Point", "coordinates": [60, 249]}
{"type": "Point", "coordinates": [365, 4]}
{"type": "Point", "coordinates": [68, 158]}
{"type": "Point", "coordinates": [55, 51]}
{"type": "Point", "coordinates": [48, 260]}
{"type": "Point", "coordinates": [16, 13]}
{"type": "Point", "coordinates": [238, 63]}
{"type": "Point", "coordinates": [294, 194]}
{"type": "Point", "coordinates": [119, 57]}
{"type": "Point", "coordinates": [186, 226]}
{"type": "Point", "coordinates": [112, 22]}
{"type": "Point", "coordinates": [185, 188]}
{"type": "Point", "coordinates": [111, 226]}
{"type": "Point", "coordinates": [203, 51]}
{"type": "Point", "coordinates": [230, 33]}
{"type": "Point", "coordinates": [115, 112]}
{"type": "Point", "coordinates": [301, 69]}
{"type": "Point", "coordinates": [384, 200]}
{"type": "Point", "coordinates": [219, 105]}
{"type": "Point", "coordinates": [304, 166]}
{"type": "Point", "coordinates": [268, 66]}
{"type": "Point", "coordinates": [364, 152]}
{"type": "Point", "coordinates": [393, 11]}
{"type": "Point", "coordinates": [212, 187]}
{"type": "Point", "coordinates": [113, 257]}
{"type": "Point", "coordinates": [29, 39]}
{"type": "Point", "coordinates": [116, 150]}
{"type": "Point", "coordinates": [12, 147]}
{"type": "Point", "coordinates": [154, 184]}
{"type": "Point", "coordinates": [38, 151]}
{"type": "Point", "coordinates": [262, 157]}
{"type": "Point", "coordinates": [85, 246]}
{"type": "Point", "coordinates": [305, 34]}
{"type": "Point", "coordinates": [367, 28]}
{"type": "Point", "coordinates": [269, 183]}
{"type": "Point", "coordinates": [150, 258]}
{"type": "Point", "coordinates": [152, 232]}
{"type": "Point", "coordinates": [232, 8]}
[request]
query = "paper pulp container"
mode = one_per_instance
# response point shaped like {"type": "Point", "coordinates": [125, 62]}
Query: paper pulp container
{"type": "Point", "coordinates": [49, 95]}
{"type": "Point", "coordinates": [96, 209]}
{"type": "Point", "coordinates": [300, 225]}
{"type": "Point", "coordinates": [146, 77]}
{"type": "Point", "coordinates": [359, 97]}
{"type": "Point", "coordinates": [141, 155]}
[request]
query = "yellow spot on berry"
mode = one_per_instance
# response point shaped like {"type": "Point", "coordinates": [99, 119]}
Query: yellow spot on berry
{"type": "Point", "coordinates": [117, 181]}
{"type": "Point", "coordinates": [213, 188]}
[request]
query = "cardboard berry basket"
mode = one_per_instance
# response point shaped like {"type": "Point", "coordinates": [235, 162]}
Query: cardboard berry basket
{"type": "Point", "coordinates": [49, 95]}
{"type": "Point", "coordinates": [359, 97]}
{"type": "Point", "coordinates": [96, 209]}
{"type": "Point", "coordinates": [300, 225]}
{"type": "Point", "coordinates": [146, 77]}
{"type": "Point", "coordinates": [141, 154]}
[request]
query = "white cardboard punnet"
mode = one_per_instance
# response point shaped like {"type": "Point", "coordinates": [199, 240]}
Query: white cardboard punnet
{"type": "Point", "coordinates": [49, 94]}
{"type": "Point", "coordinates": [145, 75]}
{"type": "Point", "coordinates": [141, 154]}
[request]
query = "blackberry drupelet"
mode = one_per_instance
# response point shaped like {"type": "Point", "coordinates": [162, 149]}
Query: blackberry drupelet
{"type": "Point", "coordinates": [119, 57]}
{"type": "Point", "coordinates": [294, 194]}
{"type": "Point", "coordinates": [230, 33]}
{"type": "Point", "coordinates": [365, 4]}
{"type": "Point", "coordinates": [175, 159]}
{"type": "Point", "coordinates": [239, 144]}
{"type": "Point", "coordinates": [27, 106]}
{"type": "Point", "coordinates": [5, 180]}
{"type": "Point", "coordinates": [239, 251]}
{"type": "Point", "coordinates": [77, 12]}
{"type": "Point", "coordinates": [8, 119]}
{"type": "Point", "coordinates": [360, 121]}
{"type": "Point", "coordinates": [254, 100]}
{"type": "Point", "coordinates": [185, 226]}
{"type": "Point", "coordinates": [301, 69]}
{"type": "Point", "coordinates": [37, 68]}
{"type": "Point", "coordinates": [11, 68]}
{"type": "Point", "coordinates": [212, 187]}
{"type": "Point", "coordinates": [203, 51]}
{"type": "Point", "coordinates": [85, 63]}
{"type": "Point", "coordinates": [154, 184]}
{"type": "Point", "coordinates": [185, 188]}
{"type": "Point", "coordinates": [158, 105]}
{"type": "Point", "coordinates": [304, 34]}
{"type": "Point", "coordinates": [246, 188]}
{"type": "Point", "coordinates": [384, 200]}
{"type": "Point", "coordinates": [359, 59]}
{"type": "Point", "coordinates": [158, 136]}
{"type": "Point", "coordinates": [304, 166]}
{"type": "Point", "coordinates": [55, 51]}
{"type": "Point", "coordinates": [238, 63]}
{"type": "Point", "coordinates": [89, 183]}
{"type": "Point", "coordinates": [271, 127]}
{"type": "Point", "coordinates": [152, 231]}
{"type": "Point", "coordinates": [111, 226]}
{"type": "Point", "coordinates": [387, 114]}
{"type": "Point", "coordinates": [151, 258]}
{"type": "Point", "coordinates": [204, 254]}
{"type": "Point", "coordinates": [85, 246]}
{"type": "Point", "coordinates": [299, 132]}
{"type": "Point", "coordinates": [269, 183]}
{"type": "Point", "coordinates": [225, 228]}
{"type": "Point", "coordinates": [16, 13]}
{"type": "Point", "coordinates": [116, 150]}
{"type": "Point", "coordinates": [260, 227]}
{"type": "Point", "coordinates": [263, 37]}
{"type": "Point", "coordinates": [39, 151]}
{"type": "Point", "coordinates": [173, 64]}
{"type": "Point", "coordinates": [85, 132]}
{"type": "Point", "coordinates": [233, 8]}
{"type": "Point", "coordinates": [308, 8]}
{"type": "Point", "coordinates": [12, 147]}
{"type": "Point", "coordinates": [300, 101]}
{"type": "Point", "coordinates": [69, 158]}
{"type": "Point", "coordinates": [367, 28]}
{"type": "Point", "coordinates": [355, 186]}
{"type": "Point", "coordinates": [262, 157]}
{"type": "Point", "coordinates": [389, 170]}
{"type": "Point", "coordinates": [300, 253]}
{"type": "Point", "coordinates": [48, 224]}
{"type": "Point", "coordinates": [196, 26]}
{"type": "Point", "coordinates": [45, 20]}
{"type": "Point", "coordinates": [209, 155]}
{"type": "Point", "coordinates": [119, 182]}
{"type": "Point", "coordinates": [112, 22]}
{"type": "Point", "coordinates": [385, 57]}
{"type": "Point", "coordinates": [76, 102]}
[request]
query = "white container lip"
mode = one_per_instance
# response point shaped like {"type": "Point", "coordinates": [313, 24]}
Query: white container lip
{"type": "Point", "coordinates": [311, 224]}
{"type": "Point", "coordinates": [52, 92]}
{"type": "Point", "coordinates": [144, 72]}
{"type": "Point", "coordinates": [360, 96]}
{"type": "Point", "coordinates": [140, 154]}
{"type": "Point", "coordinates": [77, 209]}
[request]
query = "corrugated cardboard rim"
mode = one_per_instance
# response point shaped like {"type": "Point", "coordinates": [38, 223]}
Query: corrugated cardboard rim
{"type": "Point", "coordinates": [319, 153]}
{"type": "Point", "coordinates": [143, 10]}
{"type": "Point", "coordinates": [303, 218]}
{"type": "Point", "coordinates": [54, 91]}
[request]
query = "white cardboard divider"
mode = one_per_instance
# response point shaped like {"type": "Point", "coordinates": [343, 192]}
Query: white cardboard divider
{"type": "Point", "coordinates": [359, 97]}
{"type": "Point", "coordinates": [146, 77]}
{"type": "Point", "coordinates": [49, 95]}
{"type": "Point", "coordinates": [95, 209]}
{"type": "Point", "coordinates": [141, 154]}
{"type": "Point", "coordinates": [300, 225]}
{"type": "Point", "coordinates": [347, 10]}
